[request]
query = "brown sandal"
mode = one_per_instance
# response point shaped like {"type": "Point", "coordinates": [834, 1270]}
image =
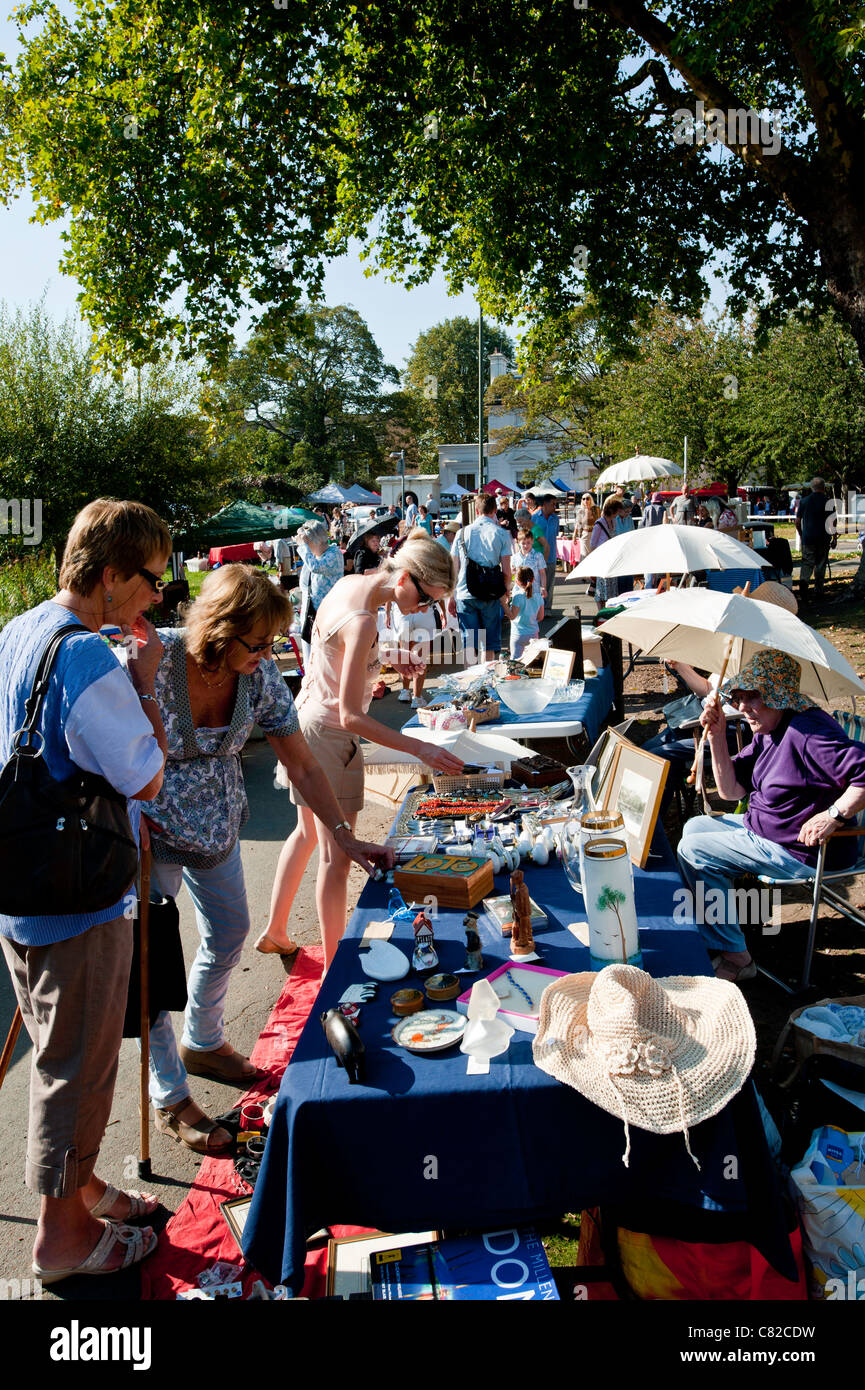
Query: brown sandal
{"type": "Point", "coordinates": [197, 1135]}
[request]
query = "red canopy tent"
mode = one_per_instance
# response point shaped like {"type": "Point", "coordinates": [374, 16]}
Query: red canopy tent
{"type": "Point", "coordinates": [495, 486]}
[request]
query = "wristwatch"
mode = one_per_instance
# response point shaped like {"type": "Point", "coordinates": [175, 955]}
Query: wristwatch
{"type": "Point", "coordinates": [835, 813]}
{"type": "Point", "coordinates": [343, 825]}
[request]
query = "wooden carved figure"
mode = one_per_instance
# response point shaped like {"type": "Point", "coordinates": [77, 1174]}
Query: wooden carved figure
{"type": "Point", "coordinates": [522, 939]}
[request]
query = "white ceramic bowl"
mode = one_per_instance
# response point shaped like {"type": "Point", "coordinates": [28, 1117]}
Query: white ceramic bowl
{"type": "Point", "coordinates": [526, 696]}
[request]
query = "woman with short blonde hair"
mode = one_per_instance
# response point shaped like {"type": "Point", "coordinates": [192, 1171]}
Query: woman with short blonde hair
{"type": "Point", "coordinates": [332, 707]}
{"type": "Point", "coordinates": [216, 681]}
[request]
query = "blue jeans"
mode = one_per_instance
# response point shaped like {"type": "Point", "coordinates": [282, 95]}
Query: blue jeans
{"type": "Point", "coordinates": [715, 850]}
{"type": "Point", "coordinates": [476, 615]}
{"type": "Point", "coordinates": [222, 914]}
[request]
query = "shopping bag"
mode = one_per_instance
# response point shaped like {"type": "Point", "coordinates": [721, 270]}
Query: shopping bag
{"type": "Point", "coordinates": [829, 1185]}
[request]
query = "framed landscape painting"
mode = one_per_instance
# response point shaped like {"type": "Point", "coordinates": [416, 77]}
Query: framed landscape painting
{"type": "Point", "coordinates": [635, 789]}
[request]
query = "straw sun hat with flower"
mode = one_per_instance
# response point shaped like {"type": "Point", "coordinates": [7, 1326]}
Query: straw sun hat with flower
{"type": "Point", "coordinates": [663, 1054]}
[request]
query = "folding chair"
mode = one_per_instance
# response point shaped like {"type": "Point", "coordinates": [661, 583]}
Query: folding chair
{"type": "Point", "coordinates": [854, 727]}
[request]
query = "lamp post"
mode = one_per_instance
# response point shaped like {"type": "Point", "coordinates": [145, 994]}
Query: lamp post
{"type": "Point", "coordinates": [400, 454]}
{"type": "Point", "coordinates": [480, 399]}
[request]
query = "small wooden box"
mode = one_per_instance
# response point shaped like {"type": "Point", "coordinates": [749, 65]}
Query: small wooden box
{"type": "Point", "coordinates": [456, 881]}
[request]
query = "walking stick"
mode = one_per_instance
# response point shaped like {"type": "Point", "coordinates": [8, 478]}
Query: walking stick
{"type": "Point", "coordinates": [144, 1170]}
{"type": "Point", "coordinates": [9, 1045]}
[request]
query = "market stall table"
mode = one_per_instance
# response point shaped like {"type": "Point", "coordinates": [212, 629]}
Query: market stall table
{"type": "Point", "coordinates": [231, 554]}
{"type": "Point", "coordinates": [568, 551]}
{"type": "Point", "coordinates": [420, 1144]}
{"type": "Point", "coordinates": [565, 720]}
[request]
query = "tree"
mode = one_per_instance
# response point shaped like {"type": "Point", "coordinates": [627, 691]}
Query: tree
{"type": "Point", "coordinates": [69, 433]}
{"type": "Point", "coordinates": [610, 900]}
{"type": "Point", "coordinates": [558, 392]}
{"type": "Point", "coordinates": [536, 149]}
{"type": "Point", "coordinates": [302, 401]}
{"type": "Point", "coordinates": [441, 380]}
{"type": "Point", "coordinates": [685, 381]}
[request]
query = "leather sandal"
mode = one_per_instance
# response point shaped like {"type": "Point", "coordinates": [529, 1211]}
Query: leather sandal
{"type": "Point", "coordinates": [140, 1205]}
{"type": "Point", "coordinates": [219, 1066]}
{"type": "Point", "coordinates": [197, 1135]}
{"type": "Point", "coordinates": [139, 1244]}
{"type": "Point", "coordinates": [739, 974]}
{"type": "Point", "coordinates": [269, 947]}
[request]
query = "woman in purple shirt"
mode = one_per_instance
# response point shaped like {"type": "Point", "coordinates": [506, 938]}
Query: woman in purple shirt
{"type": "Point", "coordinates": [803, 777]}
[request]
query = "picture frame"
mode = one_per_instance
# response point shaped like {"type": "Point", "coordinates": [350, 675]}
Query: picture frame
{"type": "Point", "coordinates": [635, 789]}
{"type": "Point", "coordinates": [558, 665]}
{"type": "Point", "coordinates": [348, 1259]}
{"type": "Point", "coordinates": [603, 758]}
{"type": "Point", "coordinates": [235, 1211]}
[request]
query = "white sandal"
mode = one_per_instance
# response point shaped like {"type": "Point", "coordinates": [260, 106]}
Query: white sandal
{"type": "Point", "coordinates": [137, 1248]}
{"type": "Point", "coordinates": [139, 1205]}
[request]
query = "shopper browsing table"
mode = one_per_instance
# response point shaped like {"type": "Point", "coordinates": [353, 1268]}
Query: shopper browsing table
{"type": "Point", "coordinates": [216, 681]}
{"type": "Point", "coordinates": [332, 707]}
{"type": "Point", "coordinates": [489, 546]}
{"type": "Point", "coordinates": [71, 972]}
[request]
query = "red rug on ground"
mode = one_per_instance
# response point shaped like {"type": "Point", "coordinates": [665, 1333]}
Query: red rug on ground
{"type": "Point", "coordinates": [197, 1234]}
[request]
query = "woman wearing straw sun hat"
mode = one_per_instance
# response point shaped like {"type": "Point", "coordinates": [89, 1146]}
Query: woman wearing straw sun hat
{"type": "Point", "coordinates": [803, 777]}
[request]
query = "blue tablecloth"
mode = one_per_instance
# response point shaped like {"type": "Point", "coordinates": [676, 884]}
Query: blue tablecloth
{"type": "Point", "coordinates": [422, 1145]}
{"type": "Point", "coordinates": [725, 581]}
{"type": "Point", "coordinates": [591, 709]}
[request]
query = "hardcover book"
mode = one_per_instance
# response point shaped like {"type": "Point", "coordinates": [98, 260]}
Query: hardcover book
{"type": "Point", "coordinates": [496, 1266]}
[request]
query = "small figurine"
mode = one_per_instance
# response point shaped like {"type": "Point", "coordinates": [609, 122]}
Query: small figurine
{"type": "Point", "coordinates": [424, 955]}
{"type": "Point", "coordinates": [522, 939]}
{"type": "Point", "coordinates": [474, 960]}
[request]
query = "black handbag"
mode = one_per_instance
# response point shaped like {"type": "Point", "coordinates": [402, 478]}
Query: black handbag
{"type": "Point", "coordinates": [64, 846]}
{"type": "Point", "coordinates": [167, 972]}
{"type": "Point", "coordinates": [484, 582]}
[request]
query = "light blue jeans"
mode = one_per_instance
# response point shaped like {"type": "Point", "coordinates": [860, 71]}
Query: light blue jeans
{"type": "Point", "coordinates": [716, 850]}
{"type": "Point", "coordinates": [222, 914]}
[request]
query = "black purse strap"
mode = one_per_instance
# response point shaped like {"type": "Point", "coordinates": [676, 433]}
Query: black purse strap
{"type": "Point", "coordinates": [36, 699]}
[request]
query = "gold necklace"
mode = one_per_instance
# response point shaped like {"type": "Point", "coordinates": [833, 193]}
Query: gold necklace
{"type": "Point", "coordinates": [214, 685]}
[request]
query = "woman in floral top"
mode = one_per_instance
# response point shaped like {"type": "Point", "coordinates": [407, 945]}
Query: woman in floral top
{"type": "Point", "coordinates": [215, 681]}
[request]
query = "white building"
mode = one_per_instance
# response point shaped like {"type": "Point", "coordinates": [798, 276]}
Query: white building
{"type": "Point", "coordinates": [458, 463]}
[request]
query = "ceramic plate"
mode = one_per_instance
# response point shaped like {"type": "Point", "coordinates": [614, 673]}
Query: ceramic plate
{"type": "Point", "coordinates": [432, 1030]}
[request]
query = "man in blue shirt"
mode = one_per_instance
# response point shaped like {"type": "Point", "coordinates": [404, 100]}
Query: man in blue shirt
{"type": "Point", "coordinates": [546, 518]}
{"type": "Point", "coordinates": [490, 545]}
{"type": "Point", "coordinates": [816, 524]}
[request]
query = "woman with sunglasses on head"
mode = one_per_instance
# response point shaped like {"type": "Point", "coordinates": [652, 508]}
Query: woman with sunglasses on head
{"type": "Point", "coordinates": [216, 681]}
{"type": "Point", "coordinates": [332, 707]}
{"type": "Point", "coordinates": [804, 778]}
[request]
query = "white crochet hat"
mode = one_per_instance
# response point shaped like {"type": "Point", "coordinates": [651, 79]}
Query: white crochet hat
{"type": "Point", "coordinates": [661, 1054]}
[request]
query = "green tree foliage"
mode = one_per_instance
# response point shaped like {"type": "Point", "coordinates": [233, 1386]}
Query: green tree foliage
{"type": "Point", "coordinates": [217, 151]}
{"type": "Point", "coordinates": [300, 403]}
{"type": "Point", "coordinates": [685, 380]}
{"type": "Point", "coordinates": [69, 433]}
{"type": "Point", "coordinates": [441, 381]}
{"type": "Point", "coordinates": [558, 392]}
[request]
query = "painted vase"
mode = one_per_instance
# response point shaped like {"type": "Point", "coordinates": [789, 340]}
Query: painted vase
{"type": "Point", "coordinates": [608, 891]}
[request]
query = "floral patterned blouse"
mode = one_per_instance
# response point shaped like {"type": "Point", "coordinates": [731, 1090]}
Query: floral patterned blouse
{"type": "Point", "coordinates": [202, 804]}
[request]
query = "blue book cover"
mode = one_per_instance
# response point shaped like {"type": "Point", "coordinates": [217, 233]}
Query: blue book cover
{"type": "Point", "coordinates": [495, 1266]}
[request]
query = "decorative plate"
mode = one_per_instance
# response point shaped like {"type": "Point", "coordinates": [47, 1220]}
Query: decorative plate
{"type": "Point", "coordinates": [430, 1031]}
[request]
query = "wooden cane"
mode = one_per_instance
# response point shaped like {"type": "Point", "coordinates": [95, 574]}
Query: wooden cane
{"type": "Point", "coordinates": [144, 1170]}
{"type": "Point", "coordinates": [716, 697]}
{"type": "Point", "coordinates": [9, 1045]}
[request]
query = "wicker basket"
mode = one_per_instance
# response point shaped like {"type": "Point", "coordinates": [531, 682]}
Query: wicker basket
{"type": "Point", "coordinates": [445, 782]}
{"type": "Point", "coordinates": [485, 714]}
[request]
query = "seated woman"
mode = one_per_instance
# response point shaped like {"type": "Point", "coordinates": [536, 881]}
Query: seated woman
{"type": "Point", "coordinates": [333, 705]}
{"type": "Point", "coordinates": [804, 778]}
{"type": "Point", "coordinates": [215, 681]}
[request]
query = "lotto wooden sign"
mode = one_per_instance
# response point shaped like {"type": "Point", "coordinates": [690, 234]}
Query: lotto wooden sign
{"type": "Point", "coordinates": [456, 881]}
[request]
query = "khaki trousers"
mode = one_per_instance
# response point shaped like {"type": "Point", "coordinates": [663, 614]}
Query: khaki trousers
{"type": "Point", "coordinates": [73, 998]}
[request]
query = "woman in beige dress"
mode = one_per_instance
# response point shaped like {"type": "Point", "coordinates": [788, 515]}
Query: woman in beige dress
{"type": "Point", "coordinates": [587, 515]}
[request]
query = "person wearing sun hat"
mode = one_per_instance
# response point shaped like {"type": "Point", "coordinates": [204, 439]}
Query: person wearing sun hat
{"type": "Point", "coordinates": [661, 1054]}
{"type": "Point", "coordinates": [804, 779]}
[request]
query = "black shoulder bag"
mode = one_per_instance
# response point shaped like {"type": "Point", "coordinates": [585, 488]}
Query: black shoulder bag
{"type": "Point", "coordinates": [64, 846]}
{"type": "Point", "coordinates": [484, 582]}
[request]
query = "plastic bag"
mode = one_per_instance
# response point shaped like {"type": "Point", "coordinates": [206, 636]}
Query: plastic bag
{"type": "Point", "coordinates": [829, 1186]}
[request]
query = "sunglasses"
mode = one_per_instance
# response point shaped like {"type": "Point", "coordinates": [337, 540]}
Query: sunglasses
{"type": "Point", "coordinates": [424, 599]}
{"type": "Point", "coordinates": [261, 646]}
{"type": "Point", "coordinates": [156, 584]}
{"type": "Point", "coordinates": [744, 697]}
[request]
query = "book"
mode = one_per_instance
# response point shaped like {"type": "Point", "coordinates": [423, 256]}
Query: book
{"type": "Point", "coordinates": [495, 1266]}
{"type": "Point", "coordinates": [348, 1260]}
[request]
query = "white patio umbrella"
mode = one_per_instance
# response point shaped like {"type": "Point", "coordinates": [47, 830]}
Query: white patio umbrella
{"type": "Point", "coordinates": [642, 468]}
{"type": "Point", "coordinates": [667, 550]}
{"type": "Point", "coordinates": [455, 490]}
{"type": "Point", "coordinates": [693, 625]}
